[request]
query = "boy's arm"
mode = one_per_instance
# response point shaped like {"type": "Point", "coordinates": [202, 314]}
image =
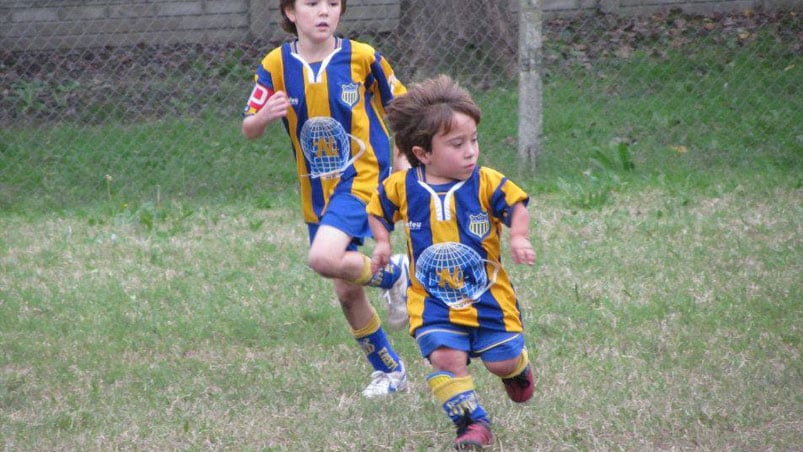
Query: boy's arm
{"type": "Point", "coordinates": [520, 247]}
{"type": "Point", "coordinates": [381, 256]}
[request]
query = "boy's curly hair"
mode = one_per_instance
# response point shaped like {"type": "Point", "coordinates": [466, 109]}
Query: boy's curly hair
{"type": "Point", "coordinates": [289, 26]}
{"type": "Point", "coordinates": [426, 110]}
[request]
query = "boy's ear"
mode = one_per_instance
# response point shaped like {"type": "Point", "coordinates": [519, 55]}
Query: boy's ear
{"type": "Point", "coordinates": [421, 155]}
{"type": "Point", "coordinates": [290, 12]}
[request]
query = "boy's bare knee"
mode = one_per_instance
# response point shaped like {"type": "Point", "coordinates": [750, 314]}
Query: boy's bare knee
{"type": "Point", "coordinates": [317, 263]}
{"type": "Point", "coordinates": [322, 263]}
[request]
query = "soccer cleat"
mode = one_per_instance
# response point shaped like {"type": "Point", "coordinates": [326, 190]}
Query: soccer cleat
{"type": "Point", "coordinates": [396, 296]}
{"type": "Point", "coordinates": [473, 435]}
{"type": "Point", "coordinates": [520, 388]}
{"type": "Point", "coordinates": [384, 383]}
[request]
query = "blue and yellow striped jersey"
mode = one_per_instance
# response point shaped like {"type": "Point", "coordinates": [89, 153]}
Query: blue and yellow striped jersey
{"type": "Point", "coordinates": [352, 85]}
{"type": "Point", "coordinates": [471, 212]}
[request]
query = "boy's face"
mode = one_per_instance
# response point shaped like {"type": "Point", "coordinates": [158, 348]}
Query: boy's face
{"type": "Point", "coordinates": [454, 153]}
{"type": "Point", "coordinates": [316, 20]}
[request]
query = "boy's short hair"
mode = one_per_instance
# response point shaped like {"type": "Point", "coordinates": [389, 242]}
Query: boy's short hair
{"type": "Point", "coordinates": [289, 26]}
{"type": "Point", "coordinates": [426, 109]}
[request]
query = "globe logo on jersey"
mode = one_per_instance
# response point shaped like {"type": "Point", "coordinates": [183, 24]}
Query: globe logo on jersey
{"type": "Point", "coordinates": [479, 225]}
{"type": "Point", "coordinates": [453, 273]}
{"type": "Point", "coordinates": [350, 94]}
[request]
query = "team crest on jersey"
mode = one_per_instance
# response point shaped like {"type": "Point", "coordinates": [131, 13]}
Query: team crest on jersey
{"type": "Point", "coordinates": [350, 94]}
{"type": "Point", "coordinates": [479, 224]}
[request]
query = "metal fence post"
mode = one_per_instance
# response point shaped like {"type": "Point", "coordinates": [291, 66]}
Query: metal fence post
{"type": "Point", "coordinates": [530, 127]}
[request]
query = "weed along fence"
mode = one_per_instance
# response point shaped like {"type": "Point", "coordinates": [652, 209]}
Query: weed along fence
{"type": "Point", "coordinates": [71, 66]}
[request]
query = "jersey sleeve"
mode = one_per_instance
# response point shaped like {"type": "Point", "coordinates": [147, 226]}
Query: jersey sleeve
{"type": "Point", "coordinates": [504, 195]}
{"type": "Point", "coordinates": [264, 84]}
{"type": "Point", "coordinates": [385, 202]}
{"type": "Point", "coordinates": [388, 86]}
{"type": "Point", "coordinates": [382, 81]}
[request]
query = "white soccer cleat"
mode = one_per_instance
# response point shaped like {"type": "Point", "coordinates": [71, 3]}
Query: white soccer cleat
{"type": "Point", "coordinates": [396, 297]}
{"type": "Point", "coordinates": [385, 383]}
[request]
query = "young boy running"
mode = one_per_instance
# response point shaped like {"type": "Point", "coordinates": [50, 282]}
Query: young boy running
{"type": "Point", "coordinates": [321, 74]}
{"type": "Point", "coordinates": [447, 197]}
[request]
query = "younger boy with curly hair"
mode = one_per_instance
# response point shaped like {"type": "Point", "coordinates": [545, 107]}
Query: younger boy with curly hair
{"type": "Point", "coordinates": [447, 197]}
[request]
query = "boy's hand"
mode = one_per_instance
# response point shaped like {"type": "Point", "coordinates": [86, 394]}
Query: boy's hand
{"type": "Point", "coordinates": [381, 256]}
{"type": "Point", "coordinates": [275, 107]}
{"type": "Point", "coordinates": [522, 250]}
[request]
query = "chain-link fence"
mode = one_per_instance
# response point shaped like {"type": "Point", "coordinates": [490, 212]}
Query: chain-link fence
{"type": "Point", "coordinates": [78, 113]}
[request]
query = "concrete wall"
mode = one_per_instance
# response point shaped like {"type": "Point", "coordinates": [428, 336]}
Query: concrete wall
{"type": "Point", "coordinates": [90, 23]}
{"type": "Point", "coordinates": [48, 24]}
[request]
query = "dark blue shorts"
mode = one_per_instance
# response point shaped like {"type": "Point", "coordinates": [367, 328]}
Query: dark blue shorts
{"type": "Point", "coordinates": [345, 212]}
{"type": "Point", "coordinates": [488, 345]}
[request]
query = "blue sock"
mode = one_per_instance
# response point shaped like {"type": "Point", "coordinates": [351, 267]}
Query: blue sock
{"type": "Point", "coordinates": [457, 396]}
{"type": "Point", "coordinates": [375, 344]}
{"type": "Point", "coordinates": [386, 276]}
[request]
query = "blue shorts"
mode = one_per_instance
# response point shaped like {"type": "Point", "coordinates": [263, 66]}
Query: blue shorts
{"type": "Point", "coordinates": [488, 345]}
{"type": "Point", "coordinates": [345, 212]}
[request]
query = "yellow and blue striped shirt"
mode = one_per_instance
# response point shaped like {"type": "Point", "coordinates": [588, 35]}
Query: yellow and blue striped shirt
{"type": "Point", "coordinates": [352, 85]}
{"type": "Point", "coordinates": [471, 212]}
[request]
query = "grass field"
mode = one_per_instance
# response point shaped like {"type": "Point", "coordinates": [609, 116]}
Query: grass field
{"type": "Point", "coordinates": [169, 307]}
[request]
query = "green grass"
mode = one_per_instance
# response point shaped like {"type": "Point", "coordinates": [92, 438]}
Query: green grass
{"type": "Point", "coordinates": [169, 306]}
{"type": "Point", "coordinates": [81, 167]}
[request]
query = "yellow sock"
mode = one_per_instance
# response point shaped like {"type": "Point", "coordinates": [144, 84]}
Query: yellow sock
{"type": "Point", "coordinates": [366, 274]}
{"type": "Point", "coordinates": [444, 386]}
{"type": "Point", "coordinates": [522, 364]}
{"type": "Point", "coordinates": [370, 328]}
{"type": "Point", "coordinates": [457, 396]}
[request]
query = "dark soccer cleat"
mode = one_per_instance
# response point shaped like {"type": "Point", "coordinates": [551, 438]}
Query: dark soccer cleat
{"type": "Point", "coordinates": [520, 388]}
{"type": "Point", "coordinates": [473, 435]}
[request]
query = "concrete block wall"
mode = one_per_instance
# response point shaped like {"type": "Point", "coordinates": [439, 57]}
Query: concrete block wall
{"type": "Point", "coordinates": [41, 24]}
{"type": "Point", "coordinates": [49, 24]}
